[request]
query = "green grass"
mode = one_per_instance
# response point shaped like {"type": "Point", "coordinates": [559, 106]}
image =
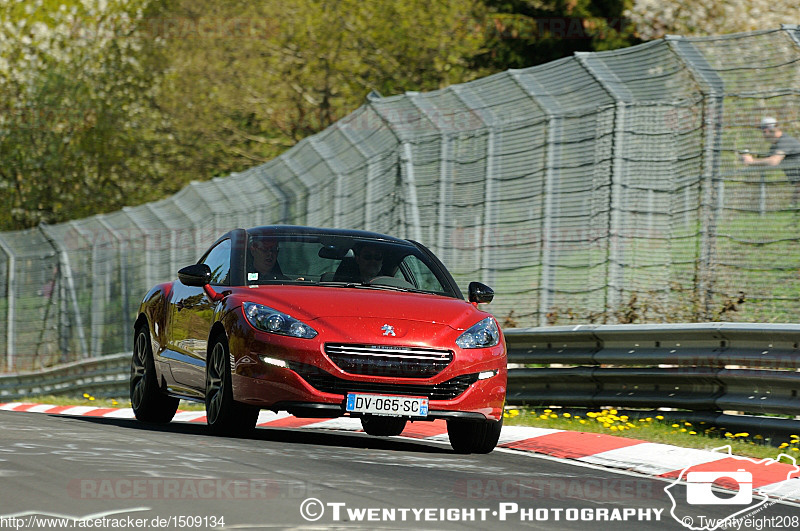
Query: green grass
{"type": "Point", "coordinates": [88, 400]}
{"type": "Point", "coordinates": [655, 429]}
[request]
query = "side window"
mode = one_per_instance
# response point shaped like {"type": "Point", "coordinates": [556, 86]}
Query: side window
{"type": "Point", "coordinates": [219, 260]}
{"type": "Point", "coordinates": [422, 277]}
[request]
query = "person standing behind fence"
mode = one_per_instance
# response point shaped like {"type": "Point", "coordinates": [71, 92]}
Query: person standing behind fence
{"type": "Point", "coordinates": [784, 152]}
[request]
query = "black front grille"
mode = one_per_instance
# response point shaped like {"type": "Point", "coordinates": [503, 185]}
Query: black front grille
{"type": "Point", "coordinates": [328, 383]}
{"type": "Point", "coordinates": [390, 361]}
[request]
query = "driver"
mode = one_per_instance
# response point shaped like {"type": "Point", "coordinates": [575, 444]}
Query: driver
{"type": "Point", "coordinates": [265, 259]}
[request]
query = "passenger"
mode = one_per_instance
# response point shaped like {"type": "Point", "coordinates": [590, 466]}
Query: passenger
{"type": "Point", "coordinates": [369, 260]}
{"type": "Point", "coordinates": [364, 267]}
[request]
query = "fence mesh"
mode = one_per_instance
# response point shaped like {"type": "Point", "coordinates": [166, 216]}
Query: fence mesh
{"type": "Point", "coordinates": [604, 187]}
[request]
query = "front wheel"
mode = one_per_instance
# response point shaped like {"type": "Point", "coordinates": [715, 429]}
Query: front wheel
{"type": "Point", "coordinates": [224, 415]}
{"type": "Point", "coordinates": [149, 404]}
{"type": "Point", "coordinates": [383, 426]}
{"type": "Point", "coordinates": [474, 437]}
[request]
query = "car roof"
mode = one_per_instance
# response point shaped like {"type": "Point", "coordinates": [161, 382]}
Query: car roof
{"type": "Point", "coordinates": [279, 230]}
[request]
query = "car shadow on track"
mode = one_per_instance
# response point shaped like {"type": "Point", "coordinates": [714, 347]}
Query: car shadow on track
{"type": "Point", "coordinates": [308, 436]}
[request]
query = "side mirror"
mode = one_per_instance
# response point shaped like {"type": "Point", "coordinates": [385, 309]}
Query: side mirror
{"type": "Point", "coordinates": [197, 275]}
{"type": "Point", "coordinates": [480, 292]}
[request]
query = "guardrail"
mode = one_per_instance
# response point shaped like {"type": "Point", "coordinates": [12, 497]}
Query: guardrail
{"type": "Point", "coordinates": [709, 369]}
{"type": "Point", "coordinates": [107, 376]}
{"type": "Point", "coordinates": [749, 368]}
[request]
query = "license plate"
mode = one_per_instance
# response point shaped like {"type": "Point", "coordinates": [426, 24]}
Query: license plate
{"type": "Point", "coordinates": [393, 406]}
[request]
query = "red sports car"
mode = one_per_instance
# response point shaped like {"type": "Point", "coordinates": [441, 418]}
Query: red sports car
{"type": "Point", "coordinates": [321, 323]}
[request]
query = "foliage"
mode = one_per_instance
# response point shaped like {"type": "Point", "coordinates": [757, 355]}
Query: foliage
{"type": "Point", "coordinates": [108, 103]}
{"type": "Point", "coordinates": [677, 306]}
{"type": "Point", "coordinates": [264, 75]}
{"type": "Point", "coordinates": [645, 425]}
{"type": "Point", "coordinates": [78, 132]}
{"type": "Point", "coordinates": [655, 18]}
{"type": "Point", "coordinates": [522, 33]}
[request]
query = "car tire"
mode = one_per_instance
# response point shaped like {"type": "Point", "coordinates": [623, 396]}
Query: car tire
{"type": "Point", "coordinates": [149, 404]}
{"type": "Point", "coordinates": [474, 437]}
{"type": "Point", "coordinates": [383, 426]}
{"type": "Point", "coordinates": [224, 415]}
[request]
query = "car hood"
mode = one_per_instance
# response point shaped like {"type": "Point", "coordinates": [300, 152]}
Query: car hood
{"type": "Point", "coordinates": [335, 303]}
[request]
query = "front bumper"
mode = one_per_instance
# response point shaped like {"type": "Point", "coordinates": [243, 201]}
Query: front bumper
{"type": "Point", "coordinates": [277, 388]}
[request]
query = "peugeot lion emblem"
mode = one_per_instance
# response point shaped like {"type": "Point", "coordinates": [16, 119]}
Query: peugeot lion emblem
{"type": "Point", "coordinates": [388, 330]}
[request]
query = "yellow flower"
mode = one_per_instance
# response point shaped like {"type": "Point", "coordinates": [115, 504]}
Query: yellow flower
{"type": "Point", "coordinates": [796, 449]}
{"type": "Point", "coordinates": [683, 430]}
{"type": "Point", "coordinates": [692, 433]}
{"type": "Point", "coordinates": [783, 445]}
{"type": "Point", "coordinates": [114, 403]}
{"type": "Point", "coordinates": [567, 415]}
{"type": "Point", "coordinates": [687, 423]}
{"type": "Point", "coordinates": [553, 416]}
{"type": "Point", "coordinates": [613, 411]}
{"type": "Point", "coordinates": [729, 434]}
{"type": "Point", "coordinates": [91, 398]}
{"type": "Point", "coordinates": [743, 434]}
{"type": "Point", "coordinates": [676, 425]}
{"type": "Point", "coordinates": [85, 395]}
{"type": "Point", "coordinates": [660, 417]}
{"type": "Point", "coordinates": [582, 421]}
{"type": "Point", "coordinates": [548, 410]}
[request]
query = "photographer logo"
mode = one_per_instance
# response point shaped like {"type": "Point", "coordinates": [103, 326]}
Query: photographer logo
{"type": "Point", "coordinates": [731, 488]}
{"type": "Point", "coordinates": [699, 489]}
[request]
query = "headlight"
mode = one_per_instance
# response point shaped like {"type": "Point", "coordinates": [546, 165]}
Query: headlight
{"type": "Point", "coordinates": [269, 320]}
{"type": "Point", "coordinates": [481, 335]}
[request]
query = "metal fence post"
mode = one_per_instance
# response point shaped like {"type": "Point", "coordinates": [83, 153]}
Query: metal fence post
{"type": "Point", "coordinates": [68, 285]}
{"type": "Point", "coordinates": [547, 277]}
{"type": "Point", "coordinates": [614, 281]}
{"type": "Point", "coordinates": [622, 96]}
{"type": "Point", "coordinates": [369, 217]}
{"type": "Point", "coordinates": [410, 183]}
{"type": "Point", "coordinates": [122, 245]}
{"type": "Point", "coordinates": [12, 300]}
{"type": "Point", "coordinates": [713, 99]}
{"type": "Point", "coordinates": [95, 325]}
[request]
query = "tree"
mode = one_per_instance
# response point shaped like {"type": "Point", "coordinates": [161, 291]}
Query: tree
{"type": "Point", "coordinates": [523, 33]}
{"type": "Point", "coordinates": [78, 132]}
{"type": "Point", "coordinates": [248, 80]}
{"type": "Point", "coordinates": [655, 18]}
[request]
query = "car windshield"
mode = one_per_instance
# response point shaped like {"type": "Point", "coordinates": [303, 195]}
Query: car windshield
{"type": "Point", "coordinates": [327, 260]}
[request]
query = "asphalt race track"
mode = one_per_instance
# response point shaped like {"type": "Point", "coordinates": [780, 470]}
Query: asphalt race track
{"type": "Point", "coordinates": [120, 473]}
